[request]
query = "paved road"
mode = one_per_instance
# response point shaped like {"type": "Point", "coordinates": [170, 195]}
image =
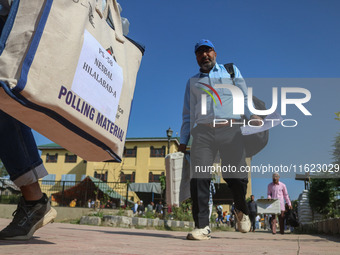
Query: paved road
{"type": "Point", "coordinates": [61, 238]}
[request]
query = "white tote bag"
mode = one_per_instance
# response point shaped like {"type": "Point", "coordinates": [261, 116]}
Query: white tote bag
{"type": "Point", "coordinates": [67, 71]}
{"type": "Point", "coordinates": [178, 178]}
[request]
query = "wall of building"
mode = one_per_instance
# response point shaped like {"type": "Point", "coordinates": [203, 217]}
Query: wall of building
{"type": "Point", "coordinates": [61, 167]}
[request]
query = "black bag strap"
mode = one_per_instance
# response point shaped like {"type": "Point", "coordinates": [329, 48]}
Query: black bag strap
{"type": "Point", "coordinates": [230, 69]}
{"type": "Point", "coordinates": [259, 104]}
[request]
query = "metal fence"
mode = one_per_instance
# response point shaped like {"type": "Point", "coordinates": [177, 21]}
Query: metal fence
{"type": "Point", "coordinates": [63, 192]}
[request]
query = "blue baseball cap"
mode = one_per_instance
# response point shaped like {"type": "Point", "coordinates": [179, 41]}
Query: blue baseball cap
{"type": "Point", "coordinates": [204, 42]}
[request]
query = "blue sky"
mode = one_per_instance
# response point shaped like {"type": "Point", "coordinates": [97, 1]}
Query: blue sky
{"type": "Point", "coordinates": [265, 39]}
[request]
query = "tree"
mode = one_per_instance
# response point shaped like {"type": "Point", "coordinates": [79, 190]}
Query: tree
{"type": "Point", "coordinates": [321, 196]}
{"type": "Point", "coordinates": [162, 180]}
{"type": "Point", "coordinates": [323, 192]}
{"type": "Point", "coordinates": [3, 171]}
{"type": "Point", "coordinates": [336, 151]}
{"type": "Point", "coordinates": [338, 115]}
{"type": "Point", "coordinates": [336, 162]}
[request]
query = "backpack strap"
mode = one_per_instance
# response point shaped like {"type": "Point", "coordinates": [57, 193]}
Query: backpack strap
{"type": "Point", "coordinates": [230, 69]}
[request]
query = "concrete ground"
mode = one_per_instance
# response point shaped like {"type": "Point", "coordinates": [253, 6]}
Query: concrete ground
{"type": "Point", "coordinates": [63, 238]}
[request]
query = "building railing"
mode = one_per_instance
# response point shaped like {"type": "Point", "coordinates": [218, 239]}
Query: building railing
{"type": "Point", "coordinates": [62, 193]}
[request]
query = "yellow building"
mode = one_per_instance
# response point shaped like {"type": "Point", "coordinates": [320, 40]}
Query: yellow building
{"type": "Point", "coordinates": [142, 162]}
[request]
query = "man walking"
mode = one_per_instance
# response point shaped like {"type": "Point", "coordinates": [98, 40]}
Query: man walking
{"type": "Point", "coordinates": [278, 190]}
{"type": "Point", "coordinates": [252, 206]}
{"type": "Point", "coordinates": [159, 209]}
{"type": "Point", "coordinates": [200, 111]}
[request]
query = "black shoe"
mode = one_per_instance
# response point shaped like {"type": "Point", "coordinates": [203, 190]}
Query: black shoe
{"type": "Point", "coordinates": [27, 219]}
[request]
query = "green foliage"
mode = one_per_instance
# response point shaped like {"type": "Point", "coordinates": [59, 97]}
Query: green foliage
{"type": "Point", "coordinates": [99, 214]}
{"type": "Point", "coordinates": [322, 196]}
{"type": "Point", "coordinates": [183, 212]}
{"type": "Point", "coordinates": [336, 150]}
{"type": "Point", "coordinates": [323, 192]}
{"type": "Point", "coordinates": [75, 221]}
{"type": "Point", "coordinates": [187, 205]}
{"type": "Point", "coordinates": [104, 199]}
{"type": "Point", "coordinates": [213, 216]}
{"type": "Point", "coordinates": [147, 214]}
{"type": "Point", "coordinates": [121, 212]}
{"type": "Point", "coordinates": [150, 215]}
{"type": "Point", "coordinates": [3, 171]}
{"type": "Point", "coordinates": [338, 115]}
{"type": "Point", "coordinates": [162, 181]}
{"type": "Point", "coordinates": [11, 199]}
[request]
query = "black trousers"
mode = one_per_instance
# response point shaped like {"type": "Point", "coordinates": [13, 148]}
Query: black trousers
{"type": "Point", "coordinates": [207, 141]}
{"type": "Point", "coordinates": [252, 216]}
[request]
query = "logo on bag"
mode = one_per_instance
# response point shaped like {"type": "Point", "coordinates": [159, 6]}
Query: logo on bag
{"type": "Point", "coordinates": [110, 51]}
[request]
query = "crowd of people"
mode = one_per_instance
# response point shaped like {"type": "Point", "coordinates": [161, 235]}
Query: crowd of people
{"type": "Point", "coordinates": [93, 203]}
{"type": "Point", "coordinates": [139, 208]}
{"type": "Point", "coordinates": [287, 216]}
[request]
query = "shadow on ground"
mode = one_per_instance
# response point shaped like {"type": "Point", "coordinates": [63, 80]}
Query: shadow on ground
{"type": "Point", "coordinates": [34, 240]}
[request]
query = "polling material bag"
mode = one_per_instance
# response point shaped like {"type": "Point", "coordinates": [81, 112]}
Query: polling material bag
{"type": "Point", "coordinates": [67, 71]}
{"type": "Point", "coordinates": [268, 206]}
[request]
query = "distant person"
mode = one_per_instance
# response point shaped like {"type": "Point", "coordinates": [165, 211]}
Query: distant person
{"type": "Point", "coordinates": [252, 207]}
{"type": "Point", "coordinates": [227, 218]}
{"type": "Point", "coordinates": [219, 219]}
{"type": "Point", "coordinates": [266, 222]}
{"type": "Point", "coordinates": [108, 204]}
{"type": "Point", "coordinates": [278, 190]}
{"type": "Point", "coordinates": [73, 203]}
{"type": "Point", "coordinates": [291, 218]}
{"type": "Point", "coordinates": [135, 207]}
{"type": "Point", "coordinates": [232, 221]}
{"type": "Point", "coordinates": [257, 221]}
{"type": "Point", "coordinates": [141, 208]}
{"type": "Point", "coordinates": [150, 207]}
{"type": "Point", "coordinates": [89, 203]}
{"type": "Point", "coordinates": [97, 204]}
{"type": "Point", "coordinates": [159, 208]}
{"type": "Point", "coordinates": [270, 218]}
{"type": "Point", "coordinates": [212, 193]}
